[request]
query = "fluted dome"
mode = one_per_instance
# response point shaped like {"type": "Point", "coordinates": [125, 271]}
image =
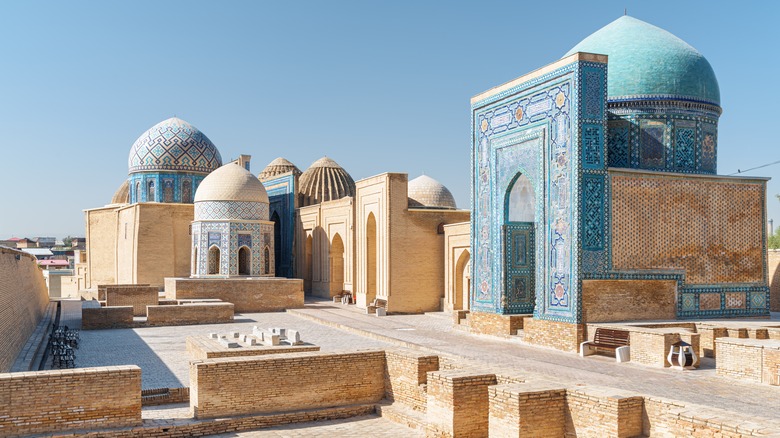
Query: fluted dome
{"type": "Point", "coordinates": [426, 192]}
{"type": "Point", "coordinates": [231, 182]}
{"type": "Point", "coordinates": [324, 181]}
{"type": "Point", "coordinates": [278, 167]}
{"type": "Point", "coordinates": [173, 145]}
{"type": "Point", "coordinates": [122, 194]}
{"type": "Point", "coordinates": [647, 61]}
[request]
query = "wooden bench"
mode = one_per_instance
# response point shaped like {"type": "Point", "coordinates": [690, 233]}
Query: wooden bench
{"type": "Point", "coordinates": [612, 340]}
{"type": "Point", "coordinates": [377, 304]}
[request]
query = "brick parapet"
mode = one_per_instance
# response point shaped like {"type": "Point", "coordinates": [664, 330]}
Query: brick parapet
{"type": "Point", "coordinates": [137, 296]}
{"type": "Point", "coordinates": [187, 314]}
{"type": "Point", "coordinates": [406, 377]}
{"type": "Point", "coordinates": [106, 317]}
{"type": "Point", "coordinates": [457, 403]}
{"type": "Point", "coordinates": [83, 398]}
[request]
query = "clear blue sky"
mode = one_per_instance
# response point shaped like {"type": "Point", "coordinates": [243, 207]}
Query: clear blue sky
{"type": "Point", "coordinates": [377, 86]}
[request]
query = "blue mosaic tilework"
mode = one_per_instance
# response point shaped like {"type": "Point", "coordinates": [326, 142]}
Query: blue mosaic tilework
{"type": "Point", "coordinates": [182, 186]}
{"type": "Point", "coordinates": [281, 194]}
{"type": "Point", "coordinates": [173, 144]}
{"type": "Point", "coordinates": [618, 153]}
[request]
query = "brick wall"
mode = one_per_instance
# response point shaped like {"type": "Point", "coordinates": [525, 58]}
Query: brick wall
{"type": "Point", "coordinates": [406, 377]}
{"type": "Point", "coordinates": [707, 336]}
{"type": "Point", "coordinates": [639, 300]}
{"type": "Point", "coordinates": [495, 324]}
{"type": "Point", "coordinates": [773, 274]}
{"type": "Point", "coordinates": [458, 403]}
{"type": "Point", "coordinates": [106, 317]}
{"type": "Point", "coordinates": [560, 335]}
{"type": "Point", "coordinates": [137, 296]}
{"type": "Point", "coordinates": [756, 360]}
{"type": "Point", "coordinates": [248, 295]}
{"type": "Point", "coordinates": [603, 412]}
{"type": "Point", "coordinates": [669, 418]}
{"type": "Point", "coordinates": [526, 409]}
{"type": "Point", "coordinates": [185, 314]}
{"type": "Point", "coordinates": [201, 347]}
{"type": "Point", "coordinates": [724, 244]}
{"type": "Point", "coordinates": [23, 301]}
{"type": "Point", "coordinates": [256, 385]}
{"type": "Point", "coordinates": [101, 289]}
{"type": "Point", "coordinates": [85, 398]}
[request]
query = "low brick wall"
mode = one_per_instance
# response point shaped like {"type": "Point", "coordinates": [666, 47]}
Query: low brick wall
{"type": "Point", "coordinates": [406, 377]}
{"type": "Point", "coordinates": [106, 318]}
{"type": "Point", "coordinates": [101, 289]}
{"type": "Point", "coordinates": [137, 296]}
{"type": "Point", "coordinates": [707, 337]}
{"type": "Point", "coordinates": [495, 324]}
{"type": "Point", "coordinates": [186, 314]}
{"type": "Point", "coordinates": [164, 396]}
{"type": "Point", "coordinates": [257, 385]}
{"type": "Point", "coordinates": [83, 398]}
{"type": "Point", "coordinates": [756, 360]}
{"type": "Point", "coordinates": [527, 409]}
{"type": "Point", "coordinates": [669, 418]}
{"type": "Point", "coordinates": [560, 335]}
{"type": "Point", "coordinates": [603, 412]}
{"type": "Point", "coordinates": [249, 295]}
{"type": "Point", "coordinates": [458, 402]}
{"type": "Point", "coordinates": [643, 299]}
{"type": "Point", "coordinates": [200, 347]}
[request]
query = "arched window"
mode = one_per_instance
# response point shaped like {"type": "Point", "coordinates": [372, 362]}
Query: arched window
{"type": "Point", "coordinates": [194, 268]}
{"type": "Point", "coordinates": [266, 261]}
{"type": "Point", "coordinates": [213, 260]}
{"type": "Point", "coordinates": [521, 201]}
{"type": "Point", "coordinates": [168, 190]}
{"type": "Point", "coordinates": [244, 261]}
{"type": "Point", "coordinates": [186, 191]}
{"type": "Point", "coordinates": [371, 256]}
{"type": "Point", "coordinates": [138, 191]}
{"type": "Point", "coordinates": [150, 191]}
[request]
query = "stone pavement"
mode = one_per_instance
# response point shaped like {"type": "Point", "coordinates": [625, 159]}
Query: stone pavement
{"type": "Point", "coordinates": [358, 427]}
{"type": "Point", "coordinates": [161, 352]}
{"type": "Point", "coordinates": [435, 332]}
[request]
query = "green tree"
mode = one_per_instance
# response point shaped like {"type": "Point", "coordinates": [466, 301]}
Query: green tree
{"type": "Point", "coordinates": [67, 241]}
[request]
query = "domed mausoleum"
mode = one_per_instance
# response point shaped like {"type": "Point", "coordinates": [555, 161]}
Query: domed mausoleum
{"type": "Point", "coordinates": [324, 181]}
{"type": "Point", "coordinates": [278, 167]}
{"type": "Point", "coordinates": [663, 99]}
{"type": "Point", "coordinates": [168, 162]}
{"type": "Point", "coordinates": [426, 192]}
{"type": "Point", "coordinates": [231, 233]}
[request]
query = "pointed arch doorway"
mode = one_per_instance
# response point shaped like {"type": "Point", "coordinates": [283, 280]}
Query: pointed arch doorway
{"type": "Point", "coordinates": [519, 246]}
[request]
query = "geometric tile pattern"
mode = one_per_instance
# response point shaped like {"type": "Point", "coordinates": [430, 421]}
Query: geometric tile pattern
{"type": "Point", "coordinates": [652, 227]}
{"type": "Point", "coordinates": [231, 210]}
{"type": "Point", "coordinates": [230, 237]}
{"type": "Point", "coordinates": [281, 194]}
{"type": "Point", "coordinates": [173, 144]}
{"type": "Point", "coordinates": [168, 187]}
{"type": "Point", "coordinates": [735, 300]}
{"type": "Point", "coordinates": [709, 301]}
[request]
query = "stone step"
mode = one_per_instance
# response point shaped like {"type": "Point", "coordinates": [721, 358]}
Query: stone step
{"type": "Point", "coordinates": [404, 415]}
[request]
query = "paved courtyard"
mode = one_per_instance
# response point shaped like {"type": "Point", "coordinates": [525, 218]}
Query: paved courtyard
{"type": "Point", "coordinates": [161, 354]}
{"type": "Point", "coordinates": [359, 427]}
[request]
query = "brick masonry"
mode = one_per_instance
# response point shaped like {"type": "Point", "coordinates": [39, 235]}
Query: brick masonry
{"type": "Point", "coordinates": [773, 261]}
{"type": "Point", "coordinates": [201, 347]}
{"type": "Point", "coordinates": [406, 378]}
{"type": "Point", "coordinates": [258, 385]}
{"type": "Point", "coordinates": [187, 314]}
{"type": "Point", "coordinates": [525, 409]}
{"type": "Point", "coordinates": [756, 360]}
{"type": "Point", "coordinates": [101, 289]}
{"type": "Point", "coordinates": [83, 398]}
{"type": "Point", "coordinates": [106, 317]}
{"type": "Point", "coordinates": [247, 294]}
{"type": "Point", "coordinates": [559, 335]}
{"type": "Point", "coordinates": [639, 300]}
{"type": "Point", "coordinates": [23, 301]}
{"type": "Point", "coordinates": [458, 403]}
{"type": "Point", "coordinates": [137, 296]}
{"type": "Point", "coordinates": [495, 324]}
{"type": "Point", "coordinates": [603, 412]}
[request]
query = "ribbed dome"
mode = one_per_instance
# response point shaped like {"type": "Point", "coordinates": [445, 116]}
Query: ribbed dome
{"type": "Point", "coordinates": [647, 61]}
{"type": "Point", "coordinates": [324, 181]}
{"type": "Point", "coordinates": [278, 167]}
{"type": "Point", "coordinates": [426, 192]}
{"type": "Point", "coordinates": [231, 182]}
{"type": "Point", "coordinates": [173, 144]}
{"type": "Point", "coordinates": [122, 194]}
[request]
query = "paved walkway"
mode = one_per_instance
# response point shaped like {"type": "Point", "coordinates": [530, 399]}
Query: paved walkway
{"type": "Point", "coordinates": [436, 333]}
{"type": "Point", "coordinates": [359, 427]}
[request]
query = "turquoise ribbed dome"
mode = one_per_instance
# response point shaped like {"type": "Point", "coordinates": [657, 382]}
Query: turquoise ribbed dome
{"type": "Point", "coordinates": [647, 61]}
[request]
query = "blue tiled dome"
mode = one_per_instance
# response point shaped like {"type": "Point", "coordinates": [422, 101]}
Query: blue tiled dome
{"type": "Point", "coordinates": [648, 62]}
{"type": "Point", "coordinates": [173, 145]}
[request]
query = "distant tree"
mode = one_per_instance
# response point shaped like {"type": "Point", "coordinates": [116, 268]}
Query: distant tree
{"type": "Point", "coordinates": [67, 241]}
{"type": "Point", "coordinates": [774, 240]}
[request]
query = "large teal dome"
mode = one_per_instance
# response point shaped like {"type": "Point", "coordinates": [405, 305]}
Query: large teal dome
{"type": "Point", "coordinates": [648, 62]}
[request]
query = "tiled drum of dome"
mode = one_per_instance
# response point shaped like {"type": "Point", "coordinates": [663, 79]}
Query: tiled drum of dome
{"type": "Point", "coordinates": [231, 210]}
